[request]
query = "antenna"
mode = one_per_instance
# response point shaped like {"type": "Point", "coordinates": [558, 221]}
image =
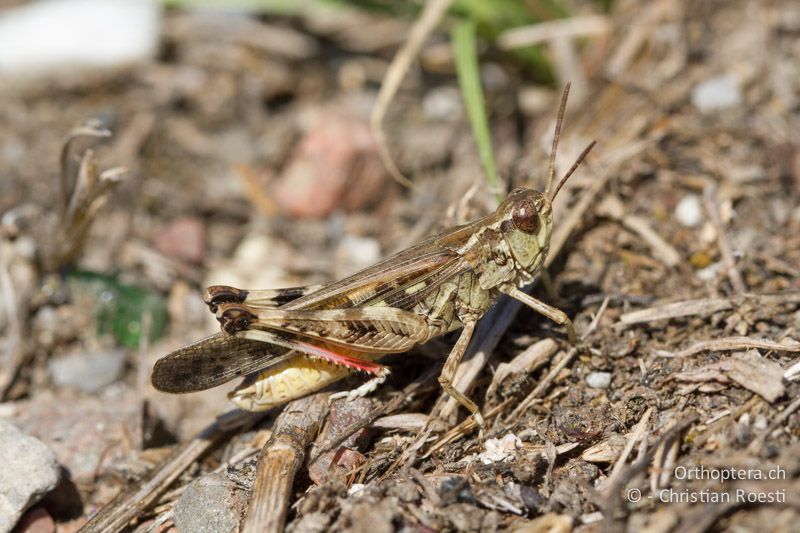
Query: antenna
{"type": "Point", "coordinates": [572, 169]}
{"type": "Point", "coordinates": [551, 170]}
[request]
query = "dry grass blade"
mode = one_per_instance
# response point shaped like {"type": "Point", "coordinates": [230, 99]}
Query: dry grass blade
{"type": "Point", "coordinates": [575, 215]}
{"type": "Point", "coordinates": [92, 129]}
{"type": "Point", "coordinates": [466, 426]}
{"type": "Point", "coordinates": [730, 343]}
{"type": "Point", "coordinates": [14, 353]}
{"type": "Point", "coordinates": [527, 361]}
{"type": "Point", "coordinates": [613, 208]}
{"type": "Point", "coordinates": [81, 198]}
{"type": "Point", "coordinates": [725, 248]}
{"type": "Point", "coordinates": [544, 384]}
{"type": "Point", "coordinates": [560, 34]}
{"type": "Point", "coordinates": [586, 26]}
{"type": "Point", "coordinates": [607, 497]}
{"type": "Point", "coordinates": [431, 15]}
{"type": "Point", "coordinates": [706, 306]}
{"type": "Point", "coordinates": [282, 456]}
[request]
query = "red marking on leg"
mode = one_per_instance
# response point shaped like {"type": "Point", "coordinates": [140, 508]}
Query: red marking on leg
{"type": "Point", "coordinates": [340, 359]}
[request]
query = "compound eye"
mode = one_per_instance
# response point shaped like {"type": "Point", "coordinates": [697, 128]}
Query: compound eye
{"type": "Point", "coordinates": [526, 217]}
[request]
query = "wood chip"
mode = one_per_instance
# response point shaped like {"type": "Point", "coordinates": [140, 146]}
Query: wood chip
{"type": "Point", "coordinates": [749, 369]}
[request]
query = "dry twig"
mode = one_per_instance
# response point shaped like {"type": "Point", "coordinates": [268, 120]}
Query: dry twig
{"type": "Point", "coordinates": [428, 20]}
{"type": "Point", "coordinates": [389, 407]}
{"type": "Point", "coordinates": [639, 432]}
{"type": "Point", "coordinates": [282, 456]}
{"type": "Point", "coordinates": [544, 384]}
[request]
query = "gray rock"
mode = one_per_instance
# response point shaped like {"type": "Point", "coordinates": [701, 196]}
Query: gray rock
{"type": "Point", "coordinates": [598, 380]}
{"type": "Point", "coordinates": [28, 471]}
{"type": "Point", "coordinates": [89, 372]}
{"type": "Point", "coordinates": [87, 433]}
{"type": "Point", "coordinates": [210, 504]}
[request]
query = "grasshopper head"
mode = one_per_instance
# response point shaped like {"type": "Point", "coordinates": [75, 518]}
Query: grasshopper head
{"type": "Point", "coordinates": [527, 222]}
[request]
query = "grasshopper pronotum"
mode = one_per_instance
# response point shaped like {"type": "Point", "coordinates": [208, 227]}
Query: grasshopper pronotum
{"type": "Point", "coordinates": [285, 340]}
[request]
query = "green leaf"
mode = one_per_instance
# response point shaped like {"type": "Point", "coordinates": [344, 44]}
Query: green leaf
{"type": "Point", "coordinates": [466, 58]}
{"type": "Point", "coordinates": [118, 308]}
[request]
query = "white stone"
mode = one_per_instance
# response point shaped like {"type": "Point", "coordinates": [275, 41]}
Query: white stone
{"type": "Point", "coordinates": [39, 37]}
{"type": "Point", "coordinates": [713, 94]}
{"type": "Point", "coordinates": [356, 489]}
{"type": "Point", "coordinates": [598, 380]}
{"type": "Point", "coordinates": [689, 211]}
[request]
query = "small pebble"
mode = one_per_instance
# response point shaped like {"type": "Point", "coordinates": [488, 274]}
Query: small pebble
{"type": "Point", "coordinates": [184, 239]}
{"type": "Point", "coordinates": [499, 450]}
{"type": "Point", "coordinates": [355, 488]}
{"type": "Point", "coordinates": [717, 93]}
{"type": "Point", "coordinates": [598, 380]}
{"type": "Point", "coordinates": [29, 471]}
{"type": "Point", "coordinates": [442, 103]}
{"type": "Point", "coordinates": [689, 211]}
{"type": "Point", "coordinates": [89, 372]}
{"type": "Point", "coordinates": [355, 253]}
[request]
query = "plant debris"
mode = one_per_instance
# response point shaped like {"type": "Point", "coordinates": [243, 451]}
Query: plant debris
{"type": "Point", "coordinates": [675, 251]}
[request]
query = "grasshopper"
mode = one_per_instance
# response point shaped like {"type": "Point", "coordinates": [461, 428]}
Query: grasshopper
{"type": "Point", "coordinates": [292, 342]}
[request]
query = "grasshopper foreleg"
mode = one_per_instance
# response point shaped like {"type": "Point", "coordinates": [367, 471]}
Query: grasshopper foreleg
{"type": "Point", "coordinates": [556, 315]}
{"type": "Point", "coordinates": [449, 372]}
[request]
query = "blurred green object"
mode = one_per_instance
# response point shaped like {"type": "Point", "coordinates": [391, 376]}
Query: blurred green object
{"type": "Point", "coordinates": [469, 79]}
{"type": "Point", "coordinates": [120, 309]}
{"type": "Point", "coordinates": [493, 17]}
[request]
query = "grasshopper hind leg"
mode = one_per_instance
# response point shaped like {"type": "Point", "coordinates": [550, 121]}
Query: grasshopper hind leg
{"type": "Point", "coordinates": [364, 389]}
{"type": "Point", "coordinates": [449, 372]}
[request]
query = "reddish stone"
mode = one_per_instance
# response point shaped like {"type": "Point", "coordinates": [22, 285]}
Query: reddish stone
{"type": "Point", "coordinates": [336, 165]}
{"type": "Point", "coordinates": [343, 414]}
{"type": "Point", "coordinates": [184, 239]}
